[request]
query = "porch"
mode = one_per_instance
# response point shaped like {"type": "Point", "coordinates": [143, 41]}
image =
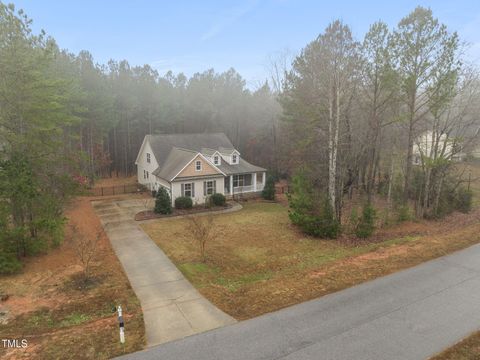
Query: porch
{"type": "Point", "coordinates": [244, 183]}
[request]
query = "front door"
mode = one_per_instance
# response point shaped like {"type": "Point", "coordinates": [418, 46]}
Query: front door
{"type": "Point", "coordinates": [227, 185]}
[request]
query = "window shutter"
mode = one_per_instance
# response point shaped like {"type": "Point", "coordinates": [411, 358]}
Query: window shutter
{"type": "Point", "coordinates": [214, 186]}
{"type": "Point", "coordinates": [183, 190]}
{"type": "Point", "coordinates": [204, 188]}
{"type": "Point", "coordinates": [193, 189]}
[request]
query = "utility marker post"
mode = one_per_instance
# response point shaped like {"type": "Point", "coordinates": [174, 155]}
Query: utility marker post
{"type": "Point", "coordinates": [121, 324]}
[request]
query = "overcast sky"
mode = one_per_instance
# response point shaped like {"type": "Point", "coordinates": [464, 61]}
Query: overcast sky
{"type": "Point", "coordinates": [191, 36]}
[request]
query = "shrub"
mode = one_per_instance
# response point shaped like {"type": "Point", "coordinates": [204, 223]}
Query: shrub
{"type": "Point", "coordinates": [9, 264]}
{"type": "Point", "coordinates": [403, 213]}
{"type": "Point", "coordinates": [463, 200]}
{"type": "Point", "coordinates": [183, 202]}
{"type": "Point", "coordinates": [366, 225]}
{"type": "Point", "coordinates": [163, 204]}
{"type": "Point", "coordinates": [268, 192]}
{"type": "Point", "coordinates": [353, 221]}
{"type": "Point", "coordinates": [218, 199]}
{"type": "Point", "coordinates": [306, 213]}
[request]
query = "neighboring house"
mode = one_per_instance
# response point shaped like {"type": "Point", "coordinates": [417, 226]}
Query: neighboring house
{"type": "Point", "coordinates": [444, 148]}
{"type": "Point", "coordinates": [196, 165]}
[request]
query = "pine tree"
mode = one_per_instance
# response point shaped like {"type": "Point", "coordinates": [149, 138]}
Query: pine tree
{"type": "Point", "coordinates": [268, 192]}
{"type": "Point", "coordinates": [163, 204]}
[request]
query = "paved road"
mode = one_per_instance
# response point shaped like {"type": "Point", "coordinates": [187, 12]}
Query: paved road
{"type": "Point", "coordinates": [411, 314]}
{"type": "Point", "coordinates": [172, 307]}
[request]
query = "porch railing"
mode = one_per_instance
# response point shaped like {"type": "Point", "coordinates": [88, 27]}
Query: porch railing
{"type": "Point", "coordinates": [244, 189]}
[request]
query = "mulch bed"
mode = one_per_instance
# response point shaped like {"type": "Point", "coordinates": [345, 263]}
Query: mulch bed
{"type": "Point", "coordinates": [149, 214]}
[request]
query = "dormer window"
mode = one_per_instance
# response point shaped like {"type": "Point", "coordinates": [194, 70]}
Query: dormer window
{"type": "Point", "coordinates": [216, 160]}
{"type": "Point", "coordinates": [234, 158]}
{"type": "Point", "coordinates": [198, 165]}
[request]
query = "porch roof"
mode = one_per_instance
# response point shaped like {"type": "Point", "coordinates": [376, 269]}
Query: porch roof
{"type": "Point", "coordinates": [242, 167]}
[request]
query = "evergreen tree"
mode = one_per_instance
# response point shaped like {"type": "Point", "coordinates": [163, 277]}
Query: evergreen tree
{"type": "Point", "coordinates": [163, 203]}
{"type": "Point", "coordinates": [268, 192]}
{"type": "Point", "coordinates": [309, 210]}
{"type": "Point", "coordinates": [366, 225]}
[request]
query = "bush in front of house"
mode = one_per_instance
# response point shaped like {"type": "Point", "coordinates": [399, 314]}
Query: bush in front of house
{"type": "Point", "coordinates": [183, 202]}
{"type": "Point", "coordinates": [163, 204]}
{"type": "Point", "coordinates": [268, 192]}
{"type": "Point", "coordinates": [218, 199]}
{"type": "Point", "coordinates": [366, 225]}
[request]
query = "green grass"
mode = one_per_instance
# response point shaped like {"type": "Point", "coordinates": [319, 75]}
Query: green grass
{"type": "Point", "coordinates": [75, 319]}
{"type": "Point", "coordinates": [40, 319]}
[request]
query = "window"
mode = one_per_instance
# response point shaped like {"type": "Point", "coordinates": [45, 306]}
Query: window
{"type": "Point", "coordinates": [209, 187]}
{"type": "Point", "coordinates": [144, 174]}
{"type": "Point", "coordinates": [216, 160]}
{"type": "Point", "coordinates": [238, 180]}
{"type": "Point", "coordinates": [148, 158]}
{"type": "Point", "coordinates": [198, 165]}
{"type": "Point", "coordinates": [147, 174]}
{"type": "Point", "coordinates": [188, 189]}
{"type": "Point", "coordinates": [234, 158]}
{"type": "Point", "coordinates": [242, 180]}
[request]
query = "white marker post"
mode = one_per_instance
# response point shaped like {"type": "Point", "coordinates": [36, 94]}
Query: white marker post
{"type": "Point", "coordinates": [121, 324]}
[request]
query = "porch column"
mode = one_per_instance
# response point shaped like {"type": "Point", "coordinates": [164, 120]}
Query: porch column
{"type": "Point", "coordinates": [231, 185]}
{"type": "Point", "coordinates": [254, 177]}
{"type": "Point", "coordinates": [263, 179]}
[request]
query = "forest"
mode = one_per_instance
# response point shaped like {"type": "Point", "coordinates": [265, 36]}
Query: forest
{"type": "Point", "coordinates": [338, 121]}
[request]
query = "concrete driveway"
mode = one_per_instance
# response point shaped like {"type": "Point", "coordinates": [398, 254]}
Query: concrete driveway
{"type": "Point", "coordinates": [409, 315]}
{"type": "Point", "coordinates": [172, 307]}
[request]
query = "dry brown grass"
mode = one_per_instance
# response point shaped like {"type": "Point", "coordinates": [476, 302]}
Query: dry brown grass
{"type": "Point", "coordinates": [262, 263]}
{"type": "Point", "coordinates": [467, 349]}
{"type": "Point", "coordinates": [60, 320]}
{"type": "Point", "coordinates": [116, 181]}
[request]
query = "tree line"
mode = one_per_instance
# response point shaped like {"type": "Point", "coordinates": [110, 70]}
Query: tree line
{"type": "Point", "coordinates": [66, 120]}
{"type": "Point", "coordinates": [342, 120]}
{"type": "Point", "coordinates": [354, 111]}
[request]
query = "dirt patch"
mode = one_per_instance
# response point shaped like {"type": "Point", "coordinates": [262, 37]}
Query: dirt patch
{"type": "Point", "coordinates": [63, 321]}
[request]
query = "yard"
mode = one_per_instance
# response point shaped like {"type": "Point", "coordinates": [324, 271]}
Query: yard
{"type": "Point", "coordinates": [59, 319]}
{"type": "Point", "coordinates": [467, 349]}
{"type": "Point", "coordinates": [259, 262]}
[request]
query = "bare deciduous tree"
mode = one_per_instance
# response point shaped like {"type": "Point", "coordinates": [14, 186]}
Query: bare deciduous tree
{"type": "Point", "coordinates": [203, 230]}
{"type": "Point", "coordinates": [85, 248]}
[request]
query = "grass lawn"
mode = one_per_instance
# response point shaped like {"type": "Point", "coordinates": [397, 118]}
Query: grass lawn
{"type": "Point", "coordinates": [260, 263]}
{"type": "Point", "coordinates": [60, 320]}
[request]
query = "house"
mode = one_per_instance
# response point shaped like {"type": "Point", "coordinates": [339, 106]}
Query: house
{"type": "Point", "coordinates": [196, 165]}
{"type": "Point", "coordinates": [439, 146]}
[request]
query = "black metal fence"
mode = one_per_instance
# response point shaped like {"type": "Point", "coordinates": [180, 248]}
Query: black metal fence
{"type": "Point", "coordinates": [117, 190]}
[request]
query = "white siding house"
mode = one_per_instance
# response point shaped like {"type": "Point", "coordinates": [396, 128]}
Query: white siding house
{"type": "Point", "coordinates": [196, 165]}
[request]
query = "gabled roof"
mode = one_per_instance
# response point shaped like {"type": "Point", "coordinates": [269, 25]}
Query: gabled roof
{"type": "Point", "coordinates": [163, 144]}
{"type": "Point", "coordinates": [227, 150]}
{"type": "Point", "coordinates": [176, 160]}
{"type": "Point", "coordinates": [243, 166]}
{"type": "Point", "coordinates": [174, 152]}
{"type": "Point", "coordinates": [208, 152]}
